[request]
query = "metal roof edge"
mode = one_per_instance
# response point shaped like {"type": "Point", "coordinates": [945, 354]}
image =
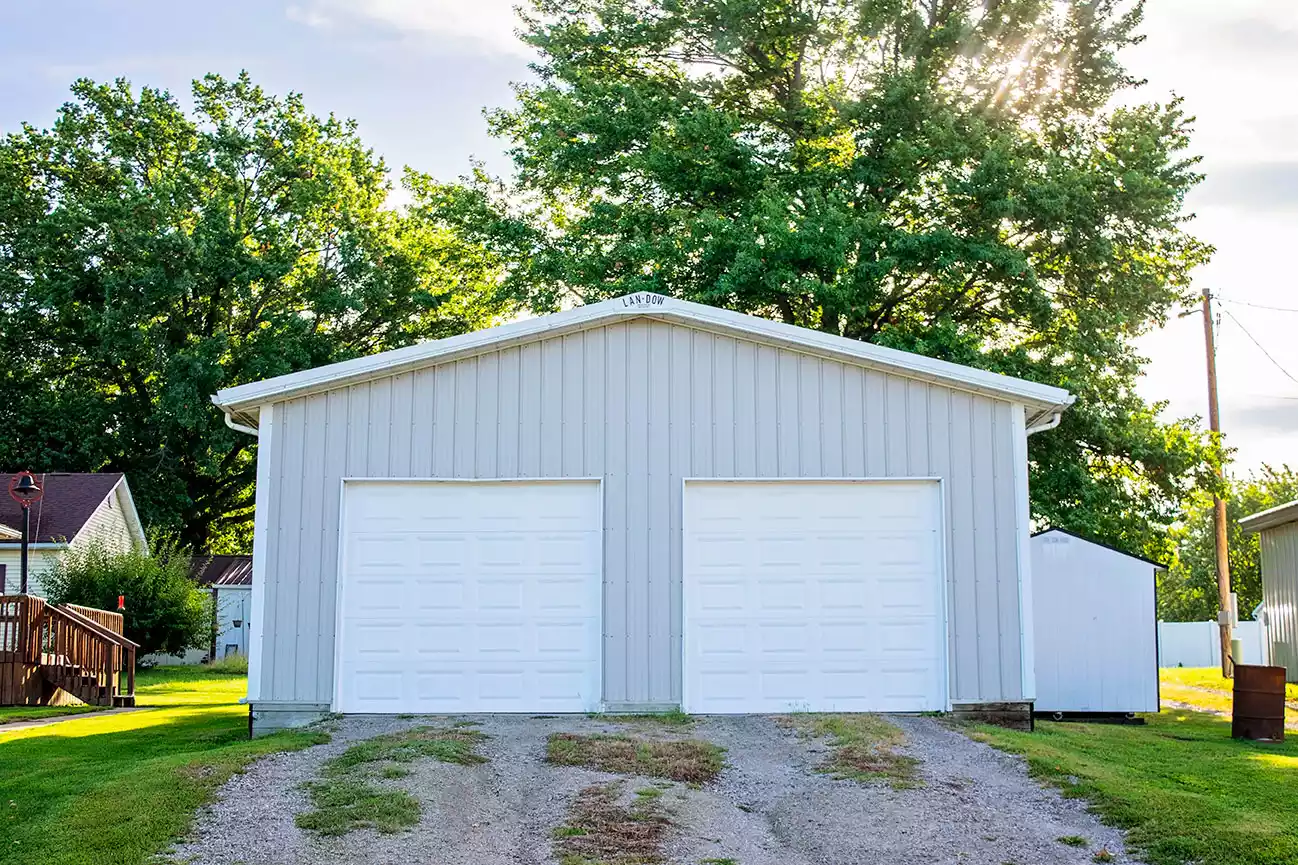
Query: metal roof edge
{"type": "Point", "coordinates": [1270, 518]}
{"type": "Point", "coordinates": [1100, 544]}
{"type": "Point", "coordinates": [244, 401]}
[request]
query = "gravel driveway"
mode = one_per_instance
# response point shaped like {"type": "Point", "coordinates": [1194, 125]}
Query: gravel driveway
{"type": "Point", "coordinates": [769, 807]}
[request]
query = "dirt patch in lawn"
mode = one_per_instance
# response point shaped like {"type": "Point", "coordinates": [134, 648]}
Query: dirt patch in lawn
{"type": "Point", "coordinates": [345, 798]}
{"type": "Point", "coordinates": [687, 760]}
{"type": "Point", "coordinates": [863, 748]}
{"type": "Point", "coordinates": [602, 828]}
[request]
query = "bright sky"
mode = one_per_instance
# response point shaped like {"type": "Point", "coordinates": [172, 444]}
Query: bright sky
{"type": "Point", "coordinates": [416, 74]}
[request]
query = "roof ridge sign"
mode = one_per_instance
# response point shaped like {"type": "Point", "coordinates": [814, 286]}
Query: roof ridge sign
{"type": "Point", "coordinates": [643, 300]}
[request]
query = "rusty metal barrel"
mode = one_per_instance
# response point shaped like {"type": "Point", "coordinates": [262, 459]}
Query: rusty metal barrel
{"type": "Point", "coordinates": [1259, 703]}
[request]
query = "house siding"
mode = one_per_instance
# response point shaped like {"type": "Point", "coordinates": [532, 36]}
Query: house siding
{"type": "Point", "coordinates": [642, 405]}
{"type": "Point", "coordinates": [1280, 594]}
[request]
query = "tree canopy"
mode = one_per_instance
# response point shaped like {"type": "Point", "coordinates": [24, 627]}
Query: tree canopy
{"type": "Point", "coordinates": [942, 176]}
{"type": "Point", "coordinates": [150, 256]}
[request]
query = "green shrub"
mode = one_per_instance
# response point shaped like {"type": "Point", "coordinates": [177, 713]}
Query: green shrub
{"type": "Point", "coordinates": [165, 611]}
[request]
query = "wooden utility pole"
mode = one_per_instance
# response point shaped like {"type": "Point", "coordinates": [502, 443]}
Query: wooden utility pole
{"type": "Point", "coordinates": [1218, 503]}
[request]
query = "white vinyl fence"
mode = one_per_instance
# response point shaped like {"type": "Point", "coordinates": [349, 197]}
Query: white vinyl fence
{"type": "Point", "coordinates": [1197, 644]}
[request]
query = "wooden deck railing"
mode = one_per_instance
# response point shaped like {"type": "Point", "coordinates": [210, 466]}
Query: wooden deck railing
{"type": "Point", "coordinates": [111, 621]}
{"type": "Point", "coordinates": [78, 649]}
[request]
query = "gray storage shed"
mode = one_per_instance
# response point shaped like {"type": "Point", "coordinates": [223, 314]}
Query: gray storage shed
{"type": "Point", "coordinates": [1278, 536]}
{"type": "Point", "coordinates": [639, 504]}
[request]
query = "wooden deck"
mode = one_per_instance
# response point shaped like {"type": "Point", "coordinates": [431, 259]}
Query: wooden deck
{"type": "Point", "coordinates": [52, 655]}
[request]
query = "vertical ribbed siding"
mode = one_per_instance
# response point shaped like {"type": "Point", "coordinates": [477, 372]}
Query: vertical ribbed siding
{"type": "Point", "coordinates": [643, 405]}
{"type": "Point", "coordinates": [1280, 593]}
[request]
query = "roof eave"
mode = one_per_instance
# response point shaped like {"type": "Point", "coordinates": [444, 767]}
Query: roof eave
{"type": "Point", "coordinates": [243, 403]}
{"type": "Point", "coordinates": [1272, 517]}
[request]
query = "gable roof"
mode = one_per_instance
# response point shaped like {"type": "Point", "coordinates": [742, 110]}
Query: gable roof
{"type": "Point", "coordinates": [1102, 545]}
{"type": "Point", "coordinates": [1270, 518]}
{"type": "Point", "coordinates": [243, 403]}
{"type": "Point", "coordinates": [68, 503]}
{"type": "Point", "coordinates": [221, 570]}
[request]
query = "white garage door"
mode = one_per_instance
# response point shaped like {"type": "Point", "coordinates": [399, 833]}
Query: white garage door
{"type": "Point", "coordinates": [813, 596]}
{"type": "Point", "coordinates": [470, 597]}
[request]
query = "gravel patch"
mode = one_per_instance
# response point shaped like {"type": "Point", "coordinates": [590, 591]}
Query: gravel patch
{"type": "Point", "coordinates": [770, 805]}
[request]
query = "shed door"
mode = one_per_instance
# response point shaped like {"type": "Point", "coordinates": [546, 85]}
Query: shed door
{"type": "Point", "coordinates": [470, 597]}
{"type": "Point", "coordinates": [813, 596]}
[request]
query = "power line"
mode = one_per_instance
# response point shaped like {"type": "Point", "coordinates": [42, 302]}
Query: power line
{"type": "Point", "coordinates": [1259, 345]}
{"type": "Point", "coordinates": [1258, 305]}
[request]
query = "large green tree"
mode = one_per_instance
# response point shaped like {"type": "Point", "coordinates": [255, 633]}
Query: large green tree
{"type": "Point", "coordinates": [943, 176]}
{"type": "Point", "coordinates": [1187, 591]}
{"type": "Point", "coordinates": [150, 256]}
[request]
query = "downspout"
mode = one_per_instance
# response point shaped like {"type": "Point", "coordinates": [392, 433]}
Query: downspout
{"type": "Point", "coordinates": [238, 427]}
{"type": "Point", "coordinates": [1041, 427]}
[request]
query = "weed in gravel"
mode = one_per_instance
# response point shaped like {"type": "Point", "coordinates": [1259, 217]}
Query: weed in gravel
{"type": "Point", "coordinates": [447, 745]}
{"type": "Point", "coordinates": [602, 830]}
{"type": "Point", "coordinates": [864, 748]}
{"type": "Point", "coordinates": [394, 772]}
{"type": "Point", "coordinates": [688, 760]}
{"type": "Point", "coordinates": [673, 718]}
{"type": "Point", "coordinates": [347, 804]}
{"type": "Point", "coordinates": [1103, 856]}
{"type": "Point", "coordinates": [1072, 840]}
{"type": "Point", "coordinates": [718, 862]}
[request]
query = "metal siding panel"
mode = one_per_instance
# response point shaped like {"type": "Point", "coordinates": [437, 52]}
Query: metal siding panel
{"type": "Point", "coordinates": [766, 417]}
{"type": "Point", "coordinates": [685, 415]}
{"type": "Point", "coordinates": [530, 395]}
{"type": "Point", "coordinates": [991, 680]}
{"type": "Point", "coordinates": [378, 456]}
{"type": "Point", "coordinates": [421, 425]}
{"type": "Point", "coordinates": [939, 448]}
{"type": "Point", "coordinates": [507, 414]}
{"type": "Point", "coordinates": [1006, 539]}
{"type": "Point", "coordinates": [399, 435]}
{"type": "Point", "coordinates": [573, 437]}
{"type": "Point", "coordinates": [552, 384]}
{"type": "Point", "coordinates": [594, 426]}
{"type": "Point", "coordinates": [336, 442]}
{"type": "Point", "coordinates": [722, 407]}
{"type": "Point", "coordinates": [288, 567]}
{"type": "Point", "coordinates": [637, 510]}
{"type": "Point", "coordinates": [616, 679]}
{"type": "Point", "coordinates": [1279, 547]}
{"type": "Point", "coordinates": [831, 419]}
{"type": "Point", "coordinates": [853, 421]}
{"type": "Point", "coordinates": [699, 388]}
{"type": "Point", "coordinates": [897, 441]}
{"type": "Point", "coordinates": [662, 402]}
{"type": "Point", "coordinates": [444, 421]}
{"type": "Point", "coordinates": [809, 418]}
{"type": "Point", "coordinates": [744, 434]}
{"type": "Point", "coordinates": [963, 603]}
{"type": "Point", "coordinates": [311, 567]}
{"type": "Point", "coordinates": [917, 397]}
{"type": "Point", "coordinates": [466, 414]}
{"type": "Point", "coordinates": [876, 424]}
{"type": "Point", "coordinates": [786, 415]}
{"type": "Point", "coordinates": [487, 422]}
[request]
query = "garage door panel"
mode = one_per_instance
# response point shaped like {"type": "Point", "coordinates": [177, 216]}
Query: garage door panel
{"type": "Point", "coordinates": [827, 598]}
{"type": "Point", "coordinates": [499, 612]}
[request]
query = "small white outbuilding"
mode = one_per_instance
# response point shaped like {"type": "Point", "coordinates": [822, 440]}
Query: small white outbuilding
{"type": "Point", "coordinates": [1096, 627]}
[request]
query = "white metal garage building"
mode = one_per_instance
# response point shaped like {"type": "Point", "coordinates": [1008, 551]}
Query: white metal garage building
{"type": "Point", "coordinates": [634, 505]}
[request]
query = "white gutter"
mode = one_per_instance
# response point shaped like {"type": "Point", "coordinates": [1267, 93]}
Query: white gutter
{"type": "Point", "coordinates": [238, 427]}
{"type": "Point", "coordinates": [46, 545]}
{"type": "Point", "coordinates": [1047, 425]}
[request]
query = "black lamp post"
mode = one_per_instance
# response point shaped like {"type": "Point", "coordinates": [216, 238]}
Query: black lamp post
{"type": "Point", "coordinates": [24, 490]}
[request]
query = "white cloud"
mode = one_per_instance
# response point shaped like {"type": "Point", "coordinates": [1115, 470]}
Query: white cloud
{"type": "Point", "coordinates": [482, 26]}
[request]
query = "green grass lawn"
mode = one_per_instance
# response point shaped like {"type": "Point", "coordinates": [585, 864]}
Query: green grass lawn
{"type": "Point", "coordinates": [116, 789]}
{"type": "Point", "coordinates": [1184, 790]}
{"type": "Point", "coordinates": [1205, 688]}
{"type": "Point", "coordinates": [14, 714]}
